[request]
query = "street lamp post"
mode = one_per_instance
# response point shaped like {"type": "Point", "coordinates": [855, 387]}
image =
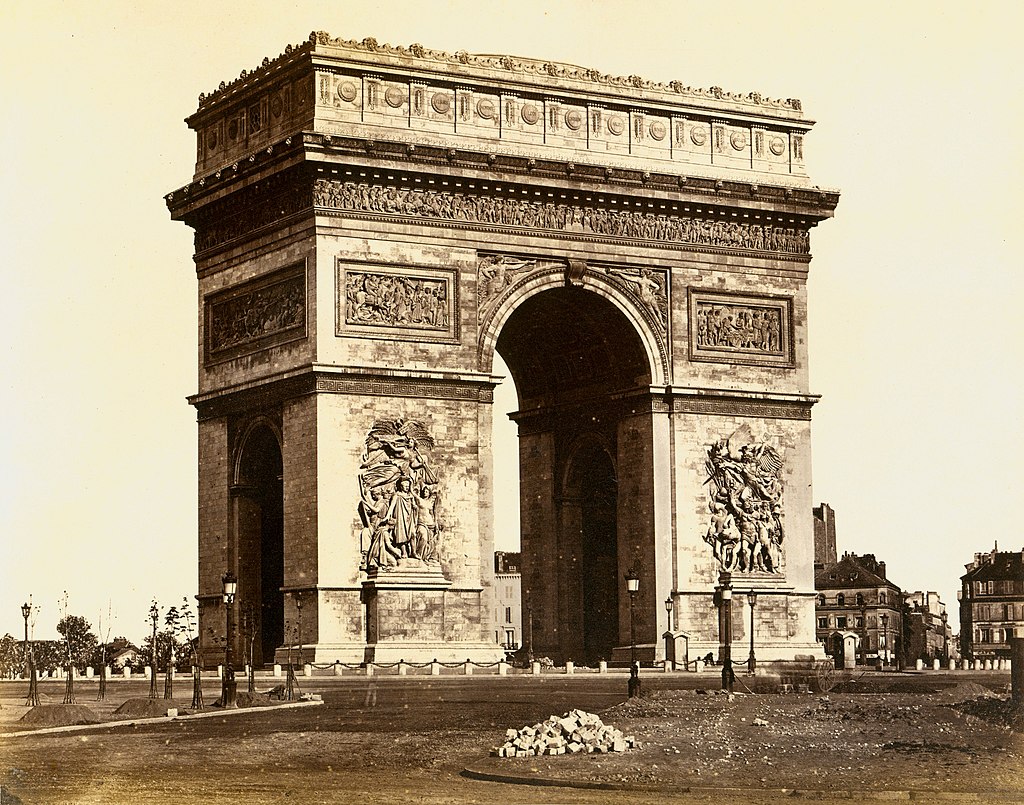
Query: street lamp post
{"type": "Point", "coordinates": [885, 636]}
{"type": "Point", "coordinates": [529, 627]}
{"type": "Point", "coordinates": [228, 687]}
{"type": "Point", "coordinates": [668, 611]}
{"type": "Point", "coordinates": [154, 616]}
{"type": "Point", "coordinates": [725, 626]}
{"type": "Point", "coordinates": [33, 689]}
{"type": "Point", "coordinates": [751, 660]}
{"type": "Point", "coordinates": [863, 633]}
{"type": "Point", "coordinates": [632, 585]}
{"type": "Point", "coordinates": [945, 644]}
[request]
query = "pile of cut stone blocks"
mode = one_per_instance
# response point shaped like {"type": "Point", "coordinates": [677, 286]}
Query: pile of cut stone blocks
{"type": "Point", "coordinates": [576, 731]}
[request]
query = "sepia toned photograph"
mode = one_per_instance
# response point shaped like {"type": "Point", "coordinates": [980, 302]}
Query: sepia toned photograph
{"type": "Point", "coordinates": [488, 402]}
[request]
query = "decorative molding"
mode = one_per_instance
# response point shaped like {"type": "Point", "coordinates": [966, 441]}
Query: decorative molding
{"type": "Point", "coordinates": [580, 218]}
{"type": "Point", "coordinates": [407, 303]}
{"type": "Point", "coordinates": [402, 387]}
{"type": "Point", "coordinates": [738, 406]}
{"type": "Point", "coordinates": [727, 327]}
{"type": "Point", "coordinates": [256, 315]}
{"type": "Point", "coordinates": [547, 69]}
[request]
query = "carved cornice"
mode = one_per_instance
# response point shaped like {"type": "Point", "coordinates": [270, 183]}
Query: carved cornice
{"type": "Point", "coordinates": [718, 402]}
{"type": "Point", "coordinates": [549, 69]}
{"type": "Point", "coordinates": [267, 66]}
{"type": "Point", "coordinates": [359, 381]}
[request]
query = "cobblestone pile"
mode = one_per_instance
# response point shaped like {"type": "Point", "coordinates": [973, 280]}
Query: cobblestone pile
{"type": "Point", "coordinates": [576, 731]}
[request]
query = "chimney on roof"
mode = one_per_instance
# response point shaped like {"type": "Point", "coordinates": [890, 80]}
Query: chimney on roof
{"type": "Point", "coordinates": [881, 569]}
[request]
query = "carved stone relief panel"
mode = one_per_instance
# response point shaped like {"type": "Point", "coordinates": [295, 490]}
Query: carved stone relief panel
{"type": "Point", "coordinates": [256, 315]}
{"type": "Point", "coordinates": [397, 302]}
{"type": "Point", "coordinates": [740, 328]}
{"type": "Point", "coordinates": [398, 506]}
{"type": "Point", "coordinates": [745, 529]}
{"type": "Point", "coordinates": [548, 215]}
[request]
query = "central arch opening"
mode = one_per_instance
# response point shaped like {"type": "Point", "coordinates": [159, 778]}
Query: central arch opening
{"type": "Point", "coordinates": [577, 364]}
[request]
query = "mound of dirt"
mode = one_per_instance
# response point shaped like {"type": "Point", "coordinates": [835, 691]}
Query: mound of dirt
{"type": "Point", "coordinates": [146, 708]}
{"type": "Point", "coordinates": [246, 699]}
{"type": "Point", "coordinates": [995, 710]}
{"type": "Point", "coordinates": [59, 715]}
{"type": "Point", "coordinates": [966, 690]}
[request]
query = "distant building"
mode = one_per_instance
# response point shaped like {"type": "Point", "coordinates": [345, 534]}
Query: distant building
{"type": "Point", "coordinates": [508, 606]}
{"type": "Point", "coordinates": [824, 536]}
{"type": "Point", "coordinates": [927, 630]}
{"type": "Point", "coordinates": [854, 595]}
{"type": "Point", "coordinates": [991, 604]}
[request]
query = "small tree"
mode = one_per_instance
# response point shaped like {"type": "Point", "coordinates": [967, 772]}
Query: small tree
{"type": "Point", "coordinates": [154, 616]}
{"type": "Point", "coordinates": [172, 622]}
{"type": "Point", "coordinates": [192, 641]}
{"type": "Point", "coordinates": [104, 639]}
{"type": "Point", "coordinates": [79, 642]}
{"type": "Point", "coordinates": [249, 631]}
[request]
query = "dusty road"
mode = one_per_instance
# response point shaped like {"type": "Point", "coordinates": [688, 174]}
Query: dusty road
{"type": "Point", "coordinates": [404, 740]}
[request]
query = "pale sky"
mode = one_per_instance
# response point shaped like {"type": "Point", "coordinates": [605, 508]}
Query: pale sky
{"type": "Point", "coordinates": [915, 286]}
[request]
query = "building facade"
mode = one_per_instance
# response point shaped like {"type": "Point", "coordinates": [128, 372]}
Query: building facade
{"type": "Point", "coordinates": [991, 604]}
{"type": "Point", "coordinates": [854, 595]}
{"type": "Point", "coordinates": [508, 601]}
{"type": "Point", "coordinates": [927, 629]}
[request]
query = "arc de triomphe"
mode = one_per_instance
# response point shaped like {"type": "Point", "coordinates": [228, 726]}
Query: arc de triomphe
{"type": "Point", "coordinates": [372, 224]}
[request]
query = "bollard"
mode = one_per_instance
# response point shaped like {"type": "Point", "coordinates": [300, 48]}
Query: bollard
{"type": "Point", "coordinates": [666, 665]}
{"type": "Point", "coordinates": [147, 672]}
{"type": "Point", "coordinates": [570, 667]}
{"type": "Point", "coordinates": [1017, 670]}
{"type": "Point", "coordinates": [952, 664]}
{"type": "Point", "coordinates": [535, 668]}
{"type": "Point", "coordinates": [965, 665]}
{"type": "Point", "coordinates": [89, 672]}
{"type": "Point", "coordinates": [106, 671]}
{"type": "Point", "coordinates": [698, 666]}
{"type": "Point", "coordinates": [468, 667]}
{"type": "Point", "coordinates": [936, 664]}
{"type": "Point", "coordinates": [127, 672]}
{"type": "Point", "coordinates": [435, 668]}
{"type": "Point", "coordinates": [337, 668]}
{"type": "Point", "coordinates": [919, 664]}
{"type": "Point", "coordinates": [602, 667]}
{"type": "Point", "coordinates": [403, 669]}
{"type": "Point", "coordinates": [988, 665]}
{"type": "Point", "coordinates": [502, 668]}
{"type": "Point", "coordinates": [220, 672]}
{"type": "Point", "coordinates": [277, 670]}
{"type": "Point", "coordinates": [307, 669]}
{"type": "Point", "coordinates": [369, 669]}
{"type": "Point", "coordinates": [172, 712]}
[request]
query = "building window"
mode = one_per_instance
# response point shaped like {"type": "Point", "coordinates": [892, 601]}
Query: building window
{"type": "Point", "coordinates": [821, 600]}
{"type": "Point", "coordinates": [841, 622]}
{"type": "Point", "coordinates": [510, 639]}
{"type": "Point", "coordinates": [860, 599]}
{"type": "Point", "coordinates": [860, 622]}
{"type": "Point", "coordinates": [881, 597]}
{"type": "Point", "coordinates": [991, 587]}
{"type": "Point", "coordinates": [841, 600]}
{"type": "Point", "coordinates": [822, 623]}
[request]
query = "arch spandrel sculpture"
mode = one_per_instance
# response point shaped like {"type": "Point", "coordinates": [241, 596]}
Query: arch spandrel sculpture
{"type": "Point", "coordinates": [373, 223]}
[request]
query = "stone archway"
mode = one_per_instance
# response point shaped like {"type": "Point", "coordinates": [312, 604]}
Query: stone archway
{"type": "Point", "coordinates": [579, 366]}
{"type": "Point", "coordinates": [258, 498]}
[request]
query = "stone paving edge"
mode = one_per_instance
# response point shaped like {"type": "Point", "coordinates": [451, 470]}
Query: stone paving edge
{"type": "Point", "coordinates": [158, 719]}
{"type": "Point", "coordinates": [487, 775]}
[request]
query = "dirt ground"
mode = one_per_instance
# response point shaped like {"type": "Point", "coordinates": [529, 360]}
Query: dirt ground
{"type": "Point", "coordinates": [427, 740]}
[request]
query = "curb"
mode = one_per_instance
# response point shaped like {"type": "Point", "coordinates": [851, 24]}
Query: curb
{"type": "Point", "coordinates": [157, 719]}
{"type": "Point", "coordinates": [736, 791]}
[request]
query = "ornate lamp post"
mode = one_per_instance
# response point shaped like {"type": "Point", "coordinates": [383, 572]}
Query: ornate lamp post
{"type": "Point", "coordinates": [725, 628]}
{"type": "Point", "coordinates": [668, 611]}
{"type": "Point", "coordinates": [33, 690]}
{"type": "Point", "coordinates": [632, 585]}
{"type": "Point", "coordinates": [885, 636]}
{"type": "Point", "coordinates": [751, 660]}
{"type": "Point", "coordinates": [228, 687]}
{"type": "Point", "coordinates": [154, 615]}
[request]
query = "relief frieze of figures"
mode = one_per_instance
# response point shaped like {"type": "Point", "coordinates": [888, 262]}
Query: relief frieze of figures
{"type": "Point", "coordinates": [248, 317]}
{"type": "Point", "coordinates": [745, 529]}
{"type": "Point", "coordinates": [362, 197]}
{"type": "Point", "coordinates": [398, 498]}
{"type": "Point", "coordinates": [396, 300]}
{"type": "Point", "coordinates": [751, 328]}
